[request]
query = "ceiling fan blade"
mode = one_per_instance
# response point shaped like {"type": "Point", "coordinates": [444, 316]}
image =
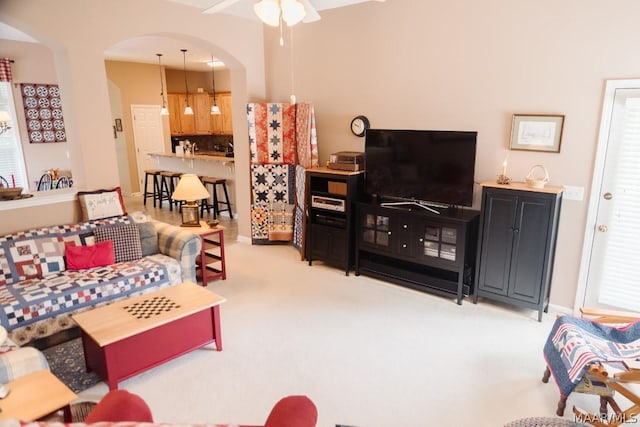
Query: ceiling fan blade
{"type": "Point", "coordinates": [220, 5]}
{"type": "Point", "coordinates": [311, 14]}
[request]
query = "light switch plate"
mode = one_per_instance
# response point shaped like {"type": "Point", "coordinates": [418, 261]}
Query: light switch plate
{"type": "Point", "coordinates": [573, 193]}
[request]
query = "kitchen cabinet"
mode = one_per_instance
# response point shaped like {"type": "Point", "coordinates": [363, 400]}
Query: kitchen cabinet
{"type": "Point", "coordinates": [179, 123]}
{"type": "Point", "coordinates": [518, 232]}
{"type": "Point", "coordinates": [202, 113]}
{"type": "Point", "coordinates": [222, 124]}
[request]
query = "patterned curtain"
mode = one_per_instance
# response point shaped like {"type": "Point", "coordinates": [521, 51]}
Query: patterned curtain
{"type": "Point", "coordinates": [5, 70]}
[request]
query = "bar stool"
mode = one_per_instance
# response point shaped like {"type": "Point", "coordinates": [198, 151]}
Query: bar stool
{"type": "Point", "coordinates": [155, 176]}
{"type": "Point", "coordinates": [215, 182]}
{"type": "Point", "coordinates": [168, 182]}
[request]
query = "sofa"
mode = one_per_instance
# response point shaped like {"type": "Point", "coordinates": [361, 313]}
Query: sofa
{"type": "Point", "coordinates": [48, 274]}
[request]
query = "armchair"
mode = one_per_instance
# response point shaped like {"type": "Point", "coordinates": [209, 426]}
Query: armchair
{"type": "Point", "coordinates": [596, 353]}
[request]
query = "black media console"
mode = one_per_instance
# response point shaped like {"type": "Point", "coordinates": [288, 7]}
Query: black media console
{"type": "Point", "coordinates": [413, 247]}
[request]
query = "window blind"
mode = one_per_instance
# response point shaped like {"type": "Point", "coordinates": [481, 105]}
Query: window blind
{"type": "Point", "coordinates": [619, 285]}
{"type": "Point", "coordinates": [11, 158]}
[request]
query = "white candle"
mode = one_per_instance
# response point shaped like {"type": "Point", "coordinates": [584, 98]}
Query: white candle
{"type": "Point", "coordinates": [504, 168]}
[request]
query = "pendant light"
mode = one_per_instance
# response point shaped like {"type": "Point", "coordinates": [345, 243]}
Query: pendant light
{"type": "Point", "coordinates": [188, 111]}
{"type": "Point", "coordinates": [215, 110]}
{"type": "Point", "coordinates": [163, 111]}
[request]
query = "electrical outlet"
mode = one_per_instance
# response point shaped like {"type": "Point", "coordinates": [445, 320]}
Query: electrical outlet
{"type": "Point", "coordinates": [573, 193]}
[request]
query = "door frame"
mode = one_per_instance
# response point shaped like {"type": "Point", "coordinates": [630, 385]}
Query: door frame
{"type": "Point", "coordinates": [596, 182]}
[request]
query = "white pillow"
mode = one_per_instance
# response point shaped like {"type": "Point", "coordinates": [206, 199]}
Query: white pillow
{"type": "Point", "coordinates": [100, 205]}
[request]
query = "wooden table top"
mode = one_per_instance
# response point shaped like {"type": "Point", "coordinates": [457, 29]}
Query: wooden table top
{"type": "Point", "coordinates": [131, 316]}
{"type": "Point", "coordinates": [34, 396]}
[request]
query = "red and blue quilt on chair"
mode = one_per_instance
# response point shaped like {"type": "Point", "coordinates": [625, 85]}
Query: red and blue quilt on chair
{"type": "Point", "coordinates": [574, 343]}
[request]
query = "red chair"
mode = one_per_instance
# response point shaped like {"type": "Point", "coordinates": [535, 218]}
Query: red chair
{"type": "Point", "coordinates": [120, 405]}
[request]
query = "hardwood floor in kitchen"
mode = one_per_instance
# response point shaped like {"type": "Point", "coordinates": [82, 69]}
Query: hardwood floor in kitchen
{"type": "Point", "coordinates": [135, 203]}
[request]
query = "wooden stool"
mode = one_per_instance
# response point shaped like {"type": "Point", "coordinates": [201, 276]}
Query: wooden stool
{"type": "Point", "coordinates": [215, 182]}
{"type": "Point", "coordinates": [168, 181]}
{"type": "Point", "coordinates": [155, 175]}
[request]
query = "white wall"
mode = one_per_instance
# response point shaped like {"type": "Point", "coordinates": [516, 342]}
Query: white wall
{"type": "Point", "coordinates": [468, 65]}
{"type": "Point", "coordinates": [85, 28]}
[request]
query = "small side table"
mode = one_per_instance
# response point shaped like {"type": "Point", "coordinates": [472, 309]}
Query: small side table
{"type": "Point", "coordinates": [211, 263]}
{"type": "Point", "coordinates": [36, 396]}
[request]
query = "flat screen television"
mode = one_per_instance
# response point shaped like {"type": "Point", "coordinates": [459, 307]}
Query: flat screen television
{"type": "Point", "coordinates": [429, 167]}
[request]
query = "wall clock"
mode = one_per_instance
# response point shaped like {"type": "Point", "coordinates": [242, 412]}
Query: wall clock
{"type": "Point", "coordinates": [359, 125]}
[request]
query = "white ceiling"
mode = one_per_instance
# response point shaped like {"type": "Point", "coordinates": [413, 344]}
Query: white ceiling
{"type": "Point", "coordinates": [144, 49]}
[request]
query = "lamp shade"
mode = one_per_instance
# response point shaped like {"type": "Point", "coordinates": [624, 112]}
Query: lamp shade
{"type": "Point", "coordinates": [4, 116]}
{"type": "Point", "coordinates": [190, 188]}
{"type": "Point", "coordinates": [215, 110]}
{"type": "Point", "coordinates": [268, 11]}
{"type": "Point", "coordinates": [292, 11]}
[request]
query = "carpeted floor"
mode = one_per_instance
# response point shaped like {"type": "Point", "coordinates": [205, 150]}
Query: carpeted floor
{"type": "Point", "coordinates": [66, 361]}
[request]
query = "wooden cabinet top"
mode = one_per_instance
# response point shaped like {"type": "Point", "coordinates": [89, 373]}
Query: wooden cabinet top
{"type": "Point", "coordinates": [522, 186]}
{"type": "Point", "coordinates": [327, 171]}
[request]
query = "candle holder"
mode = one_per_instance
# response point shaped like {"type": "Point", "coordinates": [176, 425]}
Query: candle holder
{"type": "Point", "coordinates": [503, 179]}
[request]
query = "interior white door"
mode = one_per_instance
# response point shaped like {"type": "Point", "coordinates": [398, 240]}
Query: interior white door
{"type": "Point", "coordinates": [613, 266]}
{"type": "Point", "coordinates": [148, 136]}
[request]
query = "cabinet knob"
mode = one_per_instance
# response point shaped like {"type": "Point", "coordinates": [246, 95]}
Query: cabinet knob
{"type": "Point", "coordinates": [404, 226]}
{"type": "Point", "coordinates": [421, 240]}
{"type": "Point", "coordinates": [603, 228]}
{"type": "Point", "coordinates": [389, 233]}
{"type": "Point", "coordinates": [404, 245]}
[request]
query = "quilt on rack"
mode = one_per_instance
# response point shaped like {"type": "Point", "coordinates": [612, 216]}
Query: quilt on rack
{"type": "Point", "coordinates": [272, 222]}
{"type": "Point", "coordinates": [272, 183]}
{"type": "Point", "coordinates": [574, 343]}
{"type": "Point", "coordinates": [306, 137]}
{"type": "Point", "coordinates": [272, 133]}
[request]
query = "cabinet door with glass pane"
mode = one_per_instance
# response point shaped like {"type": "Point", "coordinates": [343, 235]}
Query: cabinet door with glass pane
{"type": "Point", "coordinates": [375, 232]}
{"type": "Point", "coordinates": [440, 243]}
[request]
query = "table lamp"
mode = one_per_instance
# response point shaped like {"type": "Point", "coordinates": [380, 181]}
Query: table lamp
{"type": "Point", "coordinates": [190, 190]}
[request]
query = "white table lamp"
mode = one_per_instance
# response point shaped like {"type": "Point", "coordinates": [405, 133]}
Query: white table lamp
{"type": "Point", "coordinates": [190, 190]}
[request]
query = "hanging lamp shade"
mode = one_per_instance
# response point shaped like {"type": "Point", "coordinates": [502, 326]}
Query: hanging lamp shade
{"type": "Point", "coordinates": [292, 11]}
{"type": "Point", "coordinates": [268, 11]}
{"type": "Point", "coordinates": [163, 111]}
{"type": "Point", "coordinates": [215, 110]}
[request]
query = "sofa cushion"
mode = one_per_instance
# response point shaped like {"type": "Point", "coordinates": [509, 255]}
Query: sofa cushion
{"type": "Point", "coordinates": [98, 255]}
{"type": "Point", "coordinates": [125, 238]}
{"type": "Point", "coordinates": [101, 204]}
{"type": "Point", "coordinates": [148, 238]}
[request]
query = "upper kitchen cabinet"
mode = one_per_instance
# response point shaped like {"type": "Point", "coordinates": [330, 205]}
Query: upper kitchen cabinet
{"type": "Point", "coordinates": [180, 123]}
{"type": "Point", "coordinates": [222, 124]}
{"type": "Point", "coordinates": [202, 113]}
{"type": "Point", "coordinates": [202, 122]}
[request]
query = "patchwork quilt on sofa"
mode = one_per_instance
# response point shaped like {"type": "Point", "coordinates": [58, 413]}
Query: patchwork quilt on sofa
{"type": "Point", "coordinates": [38, 293]}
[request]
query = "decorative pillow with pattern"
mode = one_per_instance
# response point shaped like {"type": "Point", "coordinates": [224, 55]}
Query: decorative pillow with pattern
{"type": "Point", "coordinates": [101, 204]}
{"type": "Point", "coordinates": [125, 238]}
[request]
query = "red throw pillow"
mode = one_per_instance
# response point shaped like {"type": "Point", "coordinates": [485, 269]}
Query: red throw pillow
{"type": "Point", "coordinates": [82, 257]}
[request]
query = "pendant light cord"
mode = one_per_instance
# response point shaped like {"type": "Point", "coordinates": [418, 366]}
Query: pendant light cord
{"type": "Point", "coordinates": [161, 83]}
{"type": "Point", "coordinates": [213, 81]}
{"type": "Point", "coordinates": [186, 85]}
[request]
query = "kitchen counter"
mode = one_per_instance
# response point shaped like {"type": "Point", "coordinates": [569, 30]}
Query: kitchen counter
{"type": "Point", "coordinates": [212, 165]}
{"type": "Point", "coordinates": [211, 157]}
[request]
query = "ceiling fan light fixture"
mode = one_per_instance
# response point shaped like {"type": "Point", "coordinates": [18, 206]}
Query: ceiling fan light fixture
{"type": "Point", "coordinates": [292, 11]}
{"type": "Point", "coordinates": [268, 11]}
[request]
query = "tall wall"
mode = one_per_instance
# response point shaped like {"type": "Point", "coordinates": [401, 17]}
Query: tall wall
{"type": "Point", "coordinates": [467, 65]}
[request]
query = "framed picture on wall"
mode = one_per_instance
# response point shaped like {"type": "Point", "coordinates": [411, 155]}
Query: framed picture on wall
{"type": "Point", "coordinates": [537, 132]}
{"type": "Point", "coordinates": [119, 125]}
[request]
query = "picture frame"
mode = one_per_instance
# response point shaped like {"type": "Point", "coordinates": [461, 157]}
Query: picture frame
{"type": "Point", "coordinates": [119, 125]}
{"type": "Point", "coordinates": [537, 132]}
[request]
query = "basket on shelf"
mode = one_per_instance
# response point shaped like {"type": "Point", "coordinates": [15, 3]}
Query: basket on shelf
{"type": "Point", "coordinates": [536, 181]}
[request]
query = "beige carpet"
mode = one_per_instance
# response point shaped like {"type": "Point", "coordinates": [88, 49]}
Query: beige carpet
{"type": "Point", "coordinates": [368, 353]}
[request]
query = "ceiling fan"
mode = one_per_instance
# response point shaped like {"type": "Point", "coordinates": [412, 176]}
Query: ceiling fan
{"type": "Point", "coordinates": [311, 7]}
